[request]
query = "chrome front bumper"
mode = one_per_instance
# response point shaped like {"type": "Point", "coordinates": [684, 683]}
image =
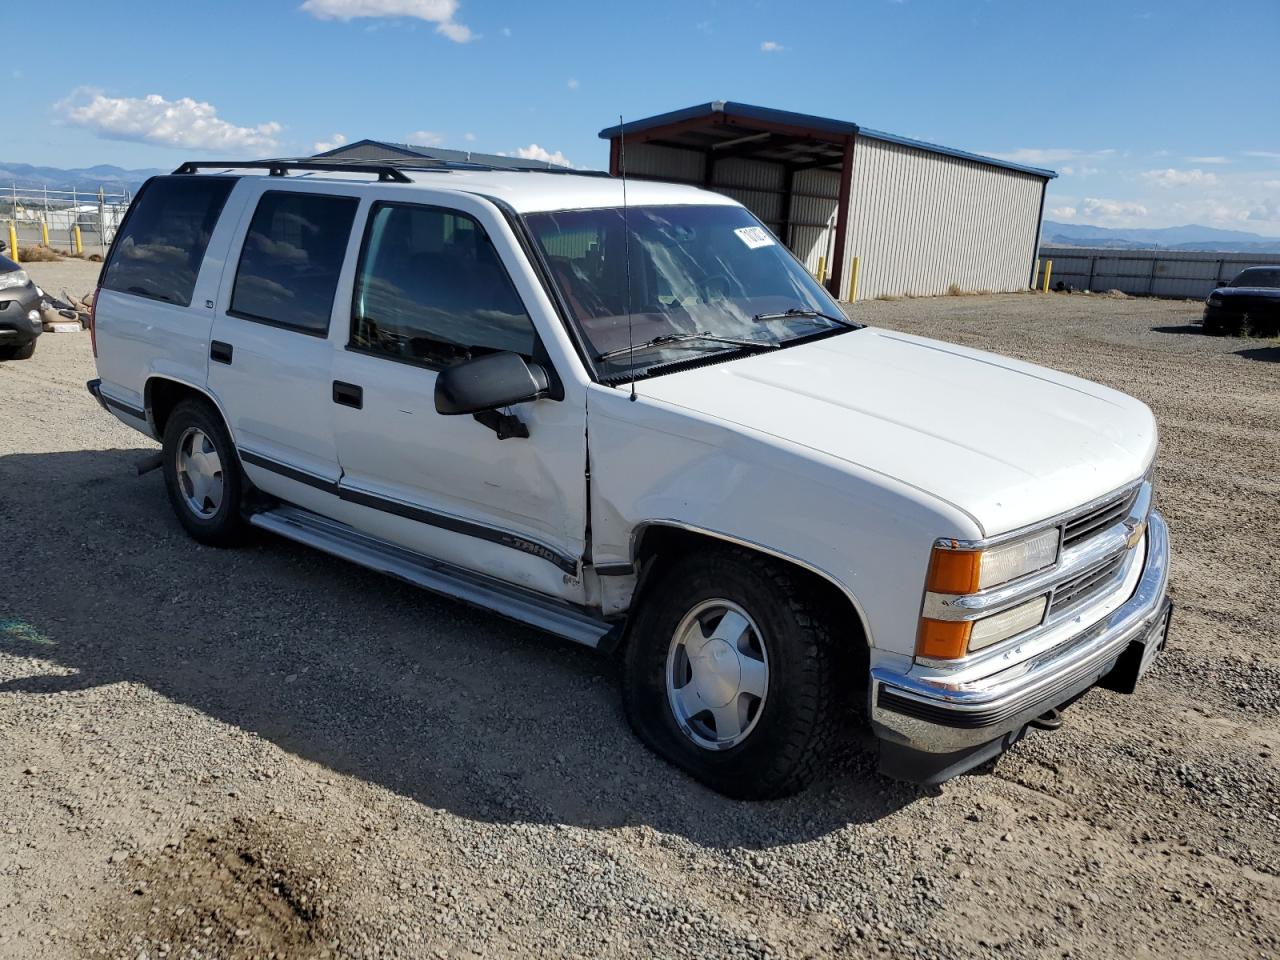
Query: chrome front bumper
{"type": "Point", "coordinates": [962, 724]}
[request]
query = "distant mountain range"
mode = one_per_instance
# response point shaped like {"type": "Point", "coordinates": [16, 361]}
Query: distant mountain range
{"type": "Point", "coordinates": [1191, 237]}
{"type": "Point", "coordinates": [89, 179]}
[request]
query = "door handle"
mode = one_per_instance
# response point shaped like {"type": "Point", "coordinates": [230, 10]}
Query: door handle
{"type": "Point", "coordinates": [220, 351]}
{"type": "Point", "coordinates": [348, 394]}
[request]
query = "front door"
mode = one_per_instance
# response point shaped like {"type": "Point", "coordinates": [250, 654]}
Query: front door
{"type": "Point", "coordinates": [433, 286]}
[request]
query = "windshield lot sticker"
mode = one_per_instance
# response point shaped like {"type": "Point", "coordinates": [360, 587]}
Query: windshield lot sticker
{"type": "Point", "coordinates": [754, 237]}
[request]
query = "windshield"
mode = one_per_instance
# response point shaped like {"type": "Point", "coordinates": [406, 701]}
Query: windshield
{"type": "Point", "coordinates": [703, 280]}
{"type": "Point", "coordinates": [1258, 277]}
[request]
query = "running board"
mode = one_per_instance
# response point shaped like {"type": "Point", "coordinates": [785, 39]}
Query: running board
{"type": "Point", "coordinates": [525, 606]}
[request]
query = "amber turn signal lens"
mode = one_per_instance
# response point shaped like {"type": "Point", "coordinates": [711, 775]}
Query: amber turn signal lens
{"type": "Point", "coordinates": [943, 639]}
{"type": "Point", "coordinates": [954, 571]}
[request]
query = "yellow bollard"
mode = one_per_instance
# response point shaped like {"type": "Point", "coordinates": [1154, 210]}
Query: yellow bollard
{"type": "Point", "coordinates": [44, 233]}
{"type": "Point", "coordinates": [1048, 272]}
{"type": "Point", "coordinates": [75, 233]}
{"type": "Point", "coordinates": [13, 243]}
{"type": "Point", "coordinates": [855, 266]}
{"type": "Point", "coordinates": [822, 269]}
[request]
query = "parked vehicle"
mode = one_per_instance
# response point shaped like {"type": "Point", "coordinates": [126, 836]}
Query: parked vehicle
{"type": "Point", "coordinates": [649, 430]}
{"type": "Point", "coordinates": [1248, 304]}
{"type": "Point", "coordinates": [20, 321]}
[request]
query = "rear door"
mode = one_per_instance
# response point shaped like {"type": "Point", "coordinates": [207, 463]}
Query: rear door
{"type": "Point", "coordinates": [270, 356]}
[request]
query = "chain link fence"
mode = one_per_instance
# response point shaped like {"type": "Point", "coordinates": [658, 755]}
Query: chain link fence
{"type": "Point", "coordinates": [70, 221]}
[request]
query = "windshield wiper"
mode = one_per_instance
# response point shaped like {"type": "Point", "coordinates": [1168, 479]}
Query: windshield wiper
{"type": "Point", "coordinates": [803, 312]}
{"type": "Point", "coordinates": [685, 338]}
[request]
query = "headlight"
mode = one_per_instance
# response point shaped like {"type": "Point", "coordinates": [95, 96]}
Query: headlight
{"type": "Point", "coordinates": [14, 278]}
{"type": "Point", "coordinates": [953, 570]}
{"type": "Point", "coordinates": [1215, 301]}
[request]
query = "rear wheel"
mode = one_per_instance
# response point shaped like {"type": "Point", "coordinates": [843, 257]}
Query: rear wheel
{"type": "Point", "coordinates": [729, 674]}
{"type": "Point", "coordinates": [202, 474]}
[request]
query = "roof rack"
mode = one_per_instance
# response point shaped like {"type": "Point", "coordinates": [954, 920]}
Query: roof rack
{"type": "Point", "coordinates": [387, 172]}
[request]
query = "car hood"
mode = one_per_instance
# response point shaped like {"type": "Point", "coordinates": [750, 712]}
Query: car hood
{"type": "Point", "coordinates": [1008, 443]}
{"type": "Point", "coordinates": [1272, 293]}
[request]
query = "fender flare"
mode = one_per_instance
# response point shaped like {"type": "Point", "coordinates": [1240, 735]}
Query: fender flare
{"type": "Point", "coordinates": [638, 532]}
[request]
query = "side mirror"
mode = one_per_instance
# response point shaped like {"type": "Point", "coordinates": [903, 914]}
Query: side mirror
{"type": "Point", "coordinates": [487, 383]}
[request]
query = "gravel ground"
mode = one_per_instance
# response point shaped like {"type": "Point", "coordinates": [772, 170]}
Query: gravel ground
{"type": "Point", "coordinates": [76, 277]}
{"type": "Point", "coordinates": [261, 752]}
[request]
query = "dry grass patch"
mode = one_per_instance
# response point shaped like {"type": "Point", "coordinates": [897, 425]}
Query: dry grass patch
{"type": "Point", "coordinates": [38, 253]}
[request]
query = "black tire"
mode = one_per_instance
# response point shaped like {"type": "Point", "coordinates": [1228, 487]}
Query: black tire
{"type": "Point", "coordinates": [24, 352]}
{"type": "Point", "coordinates": [796, 728]}
{"type": "Point", "coordinates": [225, 526]}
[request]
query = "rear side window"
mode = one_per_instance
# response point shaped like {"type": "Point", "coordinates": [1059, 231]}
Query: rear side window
{"type": "Point", "coordinates": [430, 289]}
{"type": "Point", "coordinates": [162, 242]}
{"type": "Point", "coordinates": [290, 261]}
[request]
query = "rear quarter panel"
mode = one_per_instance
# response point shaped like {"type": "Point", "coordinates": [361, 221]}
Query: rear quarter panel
{"type": "Point", "coordinates": [139, 338]}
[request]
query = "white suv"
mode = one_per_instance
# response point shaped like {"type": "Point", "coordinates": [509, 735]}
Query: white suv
{"type": "Point", "coordinates": [644, 428]}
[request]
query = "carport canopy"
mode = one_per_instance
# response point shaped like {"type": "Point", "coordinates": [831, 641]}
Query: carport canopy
{"type": "Point", "coordinates": [723, 129]}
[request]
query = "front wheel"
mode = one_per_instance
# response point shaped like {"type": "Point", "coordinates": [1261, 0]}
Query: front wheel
{"type": "Point", "coordinates": [24, 352]}
{"type": "Point", "coordinates": [728, 674]}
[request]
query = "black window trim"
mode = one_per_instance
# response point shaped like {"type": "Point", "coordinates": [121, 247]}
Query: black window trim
{"type": "Point", "coordinates": [540, 354]}
{"type": "Point", "coordinates": [122, 229]}
{"type": "Point", "coordinates": [284, 324]}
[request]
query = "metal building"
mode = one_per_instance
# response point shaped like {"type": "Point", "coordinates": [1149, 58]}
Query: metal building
{"type": "Point", "coordinates": [383, 150]}
{"type": "Point", "coordinates": [918, 218]}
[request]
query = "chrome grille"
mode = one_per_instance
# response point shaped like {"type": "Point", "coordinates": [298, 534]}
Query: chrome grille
{"type": "Point", "coordinates": [1098, 519]}
{"type": "Point", "coordinates": [1080, 589]}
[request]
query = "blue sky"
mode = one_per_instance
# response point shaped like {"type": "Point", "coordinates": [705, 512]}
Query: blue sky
{"type": "Point", "coordinates": [1155, 113]}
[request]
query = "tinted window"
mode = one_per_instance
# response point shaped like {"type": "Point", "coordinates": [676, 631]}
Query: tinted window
{"type": "Point", "coordinates": [431, 289]}
{"type": "Point", "coordinates": [1258, 277]}
{"type": "Point", "coordinates": [161, 245]}
{"type": "Point", "coordinates": [291, 258]}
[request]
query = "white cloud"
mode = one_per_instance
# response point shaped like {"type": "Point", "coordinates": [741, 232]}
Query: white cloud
{"type": "Point", "coordinates": [425, 138]}
{"type": "Point", "coordinates": [333, 143]}
{"type": "Point", "coordinates": [1263, 154]}
{"type": "Point", "coordinates": [770, 46]}
{"type": "Point", "coordinates": [535, 152]}
{"type": "Point", "coordinates": [457, 32]}
{"type": "Point", "coordinates": [573, 84]}
{"type": "Point", "coordinates": [469, 137]}
{"type": "Point", "coordinates": [1180, 178]}
{"type": "Point", "coordinates": [1076, 160]}
{"type": "Point", "coordinates": [188, 123]}
{"type": "Point", "coordinates": [1112, 209]}
{"type": "Point", "coordinates": [1207, 160]}
{"type": "Point", "coordinates": [1267, 211]}
{"type": "Point", "coordinates": [439, 12]}
{"type": "Point", "coordinates": [506, 31]}
{"type": "Point", "coordinates": [1061, 213]}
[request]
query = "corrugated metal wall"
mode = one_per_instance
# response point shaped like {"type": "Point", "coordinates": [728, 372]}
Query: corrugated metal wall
{"type": "Point", "coordinates": [923, 221]}
{"type": "Point", "coordinates": [758, 185]}
{"type": "Point", "coordinates": [1156, 273]}
{"type": "Point", "coordinates": [755, 184]}
{"type": "Point", "coordinates": [664, 163]}
{"type": "Point", "coordinates": [814, 198]}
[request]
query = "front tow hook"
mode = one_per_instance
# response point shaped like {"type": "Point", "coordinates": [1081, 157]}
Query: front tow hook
{"type": "Point", "coordinates": [1050, 720]}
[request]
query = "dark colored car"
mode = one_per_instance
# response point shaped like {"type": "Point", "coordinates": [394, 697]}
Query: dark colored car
{"type": "Point", "coordinates": [19, 312]}
{"type": "Point", "coordinates": [1249, 303]}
